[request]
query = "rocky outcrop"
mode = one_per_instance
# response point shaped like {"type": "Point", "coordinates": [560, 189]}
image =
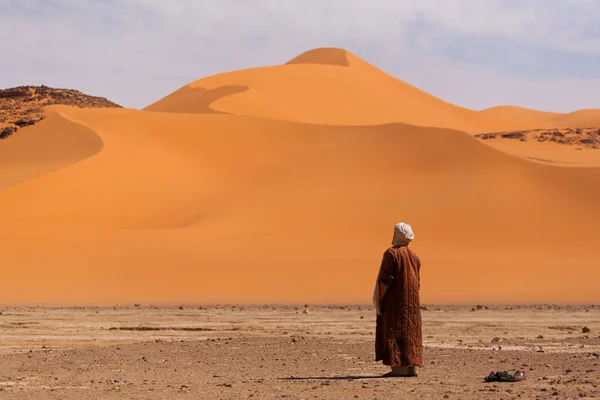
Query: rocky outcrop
{"type": "Point", "coordinates": [24, 105]}
{"type": "Point", "coordinates": [588, 138]}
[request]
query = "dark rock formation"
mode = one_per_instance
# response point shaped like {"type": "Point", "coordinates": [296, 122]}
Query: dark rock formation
{"type": "Point", "coordinates": [24, 105]}
{"type": "Point", "coordinates": [581, 137]}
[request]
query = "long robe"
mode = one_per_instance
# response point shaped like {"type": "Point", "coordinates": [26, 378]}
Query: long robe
{"type": "Point", "coordinates": [398, 338]}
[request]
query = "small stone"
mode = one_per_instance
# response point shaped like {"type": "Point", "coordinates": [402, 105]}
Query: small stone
{"type": "Point", "coordinates": [585, 329]}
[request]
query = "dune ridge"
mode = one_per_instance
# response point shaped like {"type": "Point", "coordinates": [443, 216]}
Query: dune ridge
{"type": "Point", "coordinates": [195, 100]}
{"type": "Point", "coordinates": [323, 56]}
{"type": "Point", "coordinates": [318, 91]}
{"type": "Point", "coordinates": [589, 118]}
{"type": "Point", "coordinates": [53, 144]}
{"type": "Point", "coordinates": [238, 188]}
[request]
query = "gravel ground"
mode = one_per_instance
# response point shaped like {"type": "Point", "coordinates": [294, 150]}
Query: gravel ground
{"type": "Point", "coordinates": [279, 352]}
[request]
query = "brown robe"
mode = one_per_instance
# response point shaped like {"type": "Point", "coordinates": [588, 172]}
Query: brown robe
{"type": "Point", "coordinates": [398, 337]}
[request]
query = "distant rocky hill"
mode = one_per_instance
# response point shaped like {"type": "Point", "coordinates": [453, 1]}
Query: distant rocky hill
{"type": "Point", "coordinates": [24, 105]}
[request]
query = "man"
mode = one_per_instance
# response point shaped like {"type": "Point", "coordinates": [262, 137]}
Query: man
{"type": "Point", "coordinates": [398, 338]}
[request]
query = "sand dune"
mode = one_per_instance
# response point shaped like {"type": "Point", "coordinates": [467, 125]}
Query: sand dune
{"type": "Point", "coordinates": [323, 56]}
{"type": "Point", "coordinates": [195, 100]}
{"type": "Point", "coordinates": [334, 87]}
{"type": "Point", "coordinates": [249, 187]}
{"type": "Point", "coordinates": [541, 119]}
{"type": "Point", "coordinates": [52, 144]}
{"type": "Point", "coordinates": [158, 216]}
{"type": "Point", "coordinates": [578, 119]}
{"type": "Point", "coordinates": [549, 153]}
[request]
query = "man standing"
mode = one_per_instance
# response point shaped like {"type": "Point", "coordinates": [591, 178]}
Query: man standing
{"type": "Point", "coordinates": [398, 338]}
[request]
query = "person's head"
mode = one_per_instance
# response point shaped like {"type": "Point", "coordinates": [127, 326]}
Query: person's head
{"type": "Point", "coordinates": [403, 234]}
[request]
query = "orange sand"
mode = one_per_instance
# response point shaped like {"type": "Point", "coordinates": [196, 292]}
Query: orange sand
{"type": "Point", "coordinates": [282, 184]}
{"type": "Point", "coordinates": [543, 119]}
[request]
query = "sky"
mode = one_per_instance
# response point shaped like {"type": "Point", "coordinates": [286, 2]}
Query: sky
{"type": "Point", "coordinates": [541, 54]}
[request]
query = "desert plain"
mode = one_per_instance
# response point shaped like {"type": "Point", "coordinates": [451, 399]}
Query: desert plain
{"type": "Point", "coordinates": [285, 352]}
{"type": "Point", "coordinates": [281, 185]}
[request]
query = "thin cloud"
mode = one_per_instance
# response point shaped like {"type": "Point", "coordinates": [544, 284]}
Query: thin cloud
{"type": "Point", "coordinates": [540, 53]}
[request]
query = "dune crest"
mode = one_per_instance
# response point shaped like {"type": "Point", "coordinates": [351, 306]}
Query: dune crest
{"type": "Point", "coordinates": [195, 100]}
{"type": "Point", "coordinates": [323, 56]}
{"type": "Point", "coordinates": [579, 119]}
{"type": "Point", "coordinates": [309, 90]}
{"type": "Point", "coordinates": [540, 119]}
{"type": "Point", "coordinates": [52, 144]}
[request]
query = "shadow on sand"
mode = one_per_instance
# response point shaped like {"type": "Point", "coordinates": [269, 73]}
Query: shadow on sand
{"type": "Point", "coordinates": [334, 378]}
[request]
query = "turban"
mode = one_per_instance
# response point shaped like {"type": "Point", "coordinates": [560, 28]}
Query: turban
{"type": "Point", "coordinates": [403, 234]}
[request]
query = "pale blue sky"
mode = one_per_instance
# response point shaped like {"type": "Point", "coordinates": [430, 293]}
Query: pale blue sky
{"type": "Point", "coordinates": [542, 54]}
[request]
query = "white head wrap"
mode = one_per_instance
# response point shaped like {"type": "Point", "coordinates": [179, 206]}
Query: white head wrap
{"type": "Point", "coordinates": [403, 234]}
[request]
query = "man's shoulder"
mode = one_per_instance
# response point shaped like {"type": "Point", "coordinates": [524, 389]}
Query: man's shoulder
{"type": "Point", "coordinates": [393, 251]}
{"type": "Point", "coordinates": [400, 249]}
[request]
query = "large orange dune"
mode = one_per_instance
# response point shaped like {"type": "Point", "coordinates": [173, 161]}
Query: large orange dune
{"type": "Point", "coordinates": [282, 184]}
{"type": "Point", "coordinates": [326, 86]}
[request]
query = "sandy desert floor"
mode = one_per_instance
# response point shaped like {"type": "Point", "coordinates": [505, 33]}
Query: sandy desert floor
{"type": "Point", "coordinates": [233, 352]}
